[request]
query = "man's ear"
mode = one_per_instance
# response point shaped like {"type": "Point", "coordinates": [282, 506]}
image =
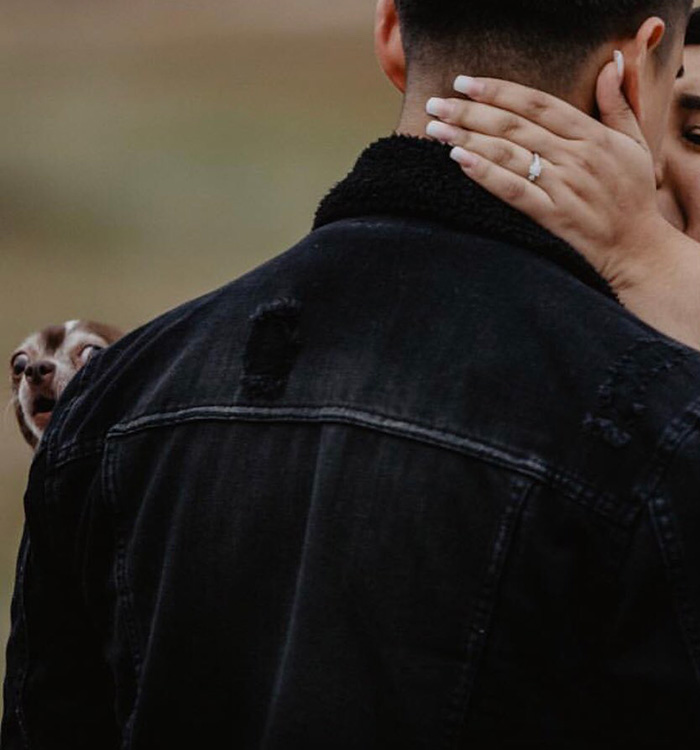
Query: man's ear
{"type": "Point", "coordinates": [389, 45]}
{"type": "Point", "coordinates": [638, 54]}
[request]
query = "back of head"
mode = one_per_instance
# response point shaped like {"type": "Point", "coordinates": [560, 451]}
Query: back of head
{"type": "Point", "coordinates": [541, 43]}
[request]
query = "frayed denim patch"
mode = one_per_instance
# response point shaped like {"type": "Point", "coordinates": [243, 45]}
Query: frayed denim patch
{"type": "Point", "coordinates": [622, 397]}
{"type": "Point", "coordinates": [272, 348]}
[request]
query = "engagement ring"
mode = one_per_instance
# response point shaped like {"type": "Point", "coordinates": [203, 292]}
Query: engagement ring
{"type": "Point", "coordinates": [535, 168]}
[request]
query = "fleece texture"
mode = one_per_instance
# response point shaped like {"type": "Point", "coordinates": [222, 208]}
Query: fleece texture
{"type": "Point", "coordinates": [410, 177]}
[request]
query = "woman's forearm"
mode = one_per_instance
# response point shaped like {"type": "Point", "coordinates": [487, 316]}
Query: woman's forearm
{"type": "Point", "coordinates": [665, 293]}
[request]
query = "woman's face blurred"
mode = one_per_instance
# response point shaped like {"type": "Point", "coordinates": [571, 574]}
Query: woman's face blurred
{"type": "Point", "coordinates": [679, 196]}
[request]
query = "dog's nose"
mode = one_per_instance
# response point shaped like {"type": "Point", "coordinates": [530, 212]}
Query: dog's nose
{"type": "Point", "coordinates": [40, 372]}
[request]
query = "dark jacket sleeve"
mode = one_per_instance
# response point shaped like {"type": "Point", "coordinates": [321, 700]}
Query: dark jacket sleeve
{"type": "Point", "coordinates": [58, 690]}
{"type": "Point", "coordinates": [674, 507]}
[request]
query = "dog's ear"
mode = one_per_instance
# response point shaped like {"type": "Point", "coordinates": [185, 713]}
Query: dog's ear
{"type": "Point", "coordinates": [109, 333]}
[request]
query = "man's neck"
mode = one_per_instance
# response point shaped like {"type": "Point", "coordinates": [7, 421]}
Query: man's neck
{"type": "Point", "coordinates": [414, 118]}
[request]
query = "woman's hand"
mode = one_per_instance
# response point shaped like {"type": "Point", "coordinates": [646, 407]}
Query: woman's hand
{"type": "Point", "coordinates": [597, 188]}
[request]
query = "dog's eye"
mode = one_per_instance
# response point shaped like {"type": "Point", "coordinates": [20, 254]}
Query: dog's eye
{"type": "Point", "coordinates": [88, 351]}
{"type": "Point", "coordinates": [19, 364]}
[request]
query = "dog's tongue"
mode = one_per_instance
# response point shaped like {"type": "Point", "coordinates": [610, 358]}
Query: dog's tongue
{"type": "Point", "coordinates": [42, 420]}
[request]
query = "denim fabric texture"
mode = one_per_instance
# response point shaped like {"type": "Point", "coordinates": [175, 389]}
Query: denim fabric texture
{"type": "Point", "coordinates": [420, 481]}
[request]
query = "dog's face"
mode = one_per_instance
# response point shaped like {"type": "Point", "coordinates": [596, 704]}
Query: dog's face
{"type": "Point", "coordinates": [43, 365]}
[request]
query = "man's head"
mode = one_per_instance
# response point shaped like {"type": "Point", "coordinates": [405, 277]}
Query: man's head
{"type": "Point", "coordinates": [555, 45]}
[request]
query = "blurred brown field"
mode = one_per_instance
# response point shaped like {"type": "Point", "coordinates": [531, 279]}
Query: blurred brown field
{"type": "Point", "coordinates": [151, 151]}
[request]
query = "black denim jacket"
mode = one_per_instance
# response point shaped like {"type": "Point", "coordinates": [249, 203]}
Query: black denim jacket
{"type": "Point", "coordinates": [420, 481]}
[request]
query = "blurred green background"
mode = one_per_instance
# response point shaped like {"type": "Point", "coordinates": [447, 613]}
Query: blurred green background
{"type": "Point", "coordinates": [151, 150]}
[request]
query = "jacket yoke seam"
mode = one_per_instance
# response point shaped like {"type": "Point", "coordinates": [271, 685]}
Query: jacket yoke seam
{"type": "Point", "coordinates": [571, 486]}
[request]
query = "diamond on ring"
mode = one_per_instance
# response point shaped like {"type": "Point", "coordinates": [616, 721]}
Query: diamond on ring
{"type": "Point", "coordinates": [535, 167]}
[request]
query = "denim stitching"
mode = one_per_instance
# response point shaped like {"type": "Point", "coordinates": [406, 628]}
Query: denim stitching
{"type": "Point", "coordinates": [123, 591]}
{"type": "Point", "coordinates": [21, 686]}
{"type": "Point", "coordinates": [665, 529]}
{"type": "Point", "coordinates": [664, 524]}
{"type": "Point", "coordinates": [78, 451]}
{"type": "Point", "coordinates": [571, 486]}
{"type": "Point", "coordinates": [476, 634]}
{"type": "Point", "coordinates": [671, 440]}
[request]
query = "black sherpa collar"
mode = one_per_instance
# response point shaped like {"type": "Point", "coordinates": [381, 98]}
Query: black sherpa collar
{"type": "Point", "coordinates": [415, 177]}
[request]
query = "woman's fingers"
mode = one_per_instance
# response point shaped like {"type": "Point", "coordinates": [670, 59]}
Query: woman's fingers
{"type": "Point", "coordinates": [555, 115]}
{"type": "Point", "coordinates": [597, 178]}
{"type": "Point", "coordinates": [496, 150]}
{"type": "Point", "coordinates": [519, 192]}
{"type": "Point", "coordinates": [615, 111]}
{"type": "Point", "coordinates": [492, 121]}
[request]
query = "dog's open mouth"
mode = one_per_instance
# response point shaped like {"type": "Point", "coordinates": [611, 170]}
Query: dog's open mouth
{"type": "Point", "coordinates": [43, 405]}
{"type": "Point", "coordinates": [41, 411]}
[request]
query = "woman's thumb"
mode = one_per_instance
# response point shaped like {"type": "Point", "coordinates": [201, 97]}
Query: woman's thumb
{"type": "Point", "coordinates": [615, 111]}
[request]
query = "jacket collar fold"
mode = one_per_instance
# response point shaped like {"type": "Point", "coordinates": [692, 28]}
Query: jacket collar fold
{"type": "Point", "coordinates": [415, 178]}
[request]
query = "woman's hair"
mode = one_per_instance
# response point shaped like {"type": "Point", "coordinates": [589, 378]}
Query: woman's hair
{"type": "Point", "coordinates": [692, 35]}
{"type": "Point", "coordinates": [540, 42]}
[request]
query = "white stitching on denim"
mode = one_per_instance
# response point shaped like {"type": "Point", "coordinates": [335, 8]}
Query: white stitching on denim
{"type": "Point", "coordinates": [570, 485]}
{"type": "Point", "coordinates": [478, 629]}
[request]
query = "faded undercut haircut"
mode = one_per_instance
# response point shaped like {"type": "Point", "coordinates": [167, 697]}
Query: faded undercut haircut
{"type": "Point", "coordinates": [538, 42]}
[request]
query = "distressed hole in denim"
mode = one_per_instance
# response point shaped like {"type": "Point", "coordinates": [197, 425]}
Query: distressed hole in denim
{"type": "Point", "coordinates": [621, 399]}
{"type": "Point", "coordinates": [273, 345]}
{"type": "Point", "coordinates": [608, 430]}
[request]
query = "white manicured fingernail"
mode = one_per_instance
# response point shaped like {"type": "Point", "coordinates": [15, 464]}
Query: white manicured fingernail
{"type": "Point", "coordinates": [464, 158]}
{"type": "Point", "coordinates": [438, 107]}
{"type": "Point", "coordinates": [620, 62]}
{"type": "Point", "coordinates": [468, 85]}
{"type": "Point", "coordinates": [440, 131]}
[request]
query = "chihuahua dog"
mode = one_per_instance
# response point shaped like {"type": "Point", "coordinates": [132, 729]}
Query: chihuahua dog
{"type": "Point", "coordinates": [44, 364]}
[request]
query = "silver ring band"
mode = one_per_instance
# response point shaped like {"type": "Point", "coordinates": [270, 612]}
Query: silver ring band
{"type": "Point", "coordinates": [535, 168]}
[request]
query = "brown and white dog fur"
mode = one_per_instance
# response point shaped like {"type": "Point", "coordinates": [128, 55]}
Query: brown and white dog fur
{"type": "Point", "coordinates": [43, 365]}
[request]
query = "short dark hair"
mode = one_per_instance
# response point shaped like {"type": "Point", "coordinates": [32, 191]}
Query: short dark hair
{"type": "Point", "coordinates": [692, 34]}
{"type": "Point", "coordinates": [539, 42]}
